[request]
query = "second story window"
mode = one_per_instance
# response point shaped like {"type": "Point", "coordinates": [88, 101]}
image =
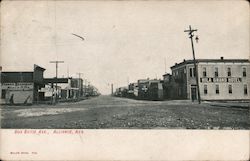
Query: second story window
{"type": "Point", "coordinates": [190, 72]}
{"type": "Point", "coordinates": [216, 72]}
{"type": "Point", "coordinates": [229, 72]}
{"type": "Point", "coordinates": [204, 72]}
{"type": "Point", "coordinates": [194, 71]}
{"type": "Point", "coordinates": [244, 72]}
{"type": "Point", "coordinates": [217, 89]}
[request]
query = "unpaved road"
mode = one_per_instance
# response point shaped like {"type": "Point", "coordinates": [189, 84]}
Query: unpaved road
{"type": "Point", "coordinates": [111, 112]}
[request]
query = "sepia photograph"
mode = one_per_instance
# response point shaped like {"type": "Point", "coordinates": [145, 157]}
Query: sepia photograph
{"type": "Point", "coordinates": [125, 80]}
{"type": "Point", "coordinates": [125, 65]}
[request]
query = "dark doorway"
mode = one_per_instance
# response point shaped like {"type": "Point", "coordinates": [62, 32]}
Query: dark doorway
{"type": "Point", "coordinates": [193, 93]}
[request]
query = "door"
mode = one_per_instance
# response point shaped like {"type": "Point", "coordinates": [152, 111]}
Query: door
{"type": "Point", "coordinates": [193, 93]}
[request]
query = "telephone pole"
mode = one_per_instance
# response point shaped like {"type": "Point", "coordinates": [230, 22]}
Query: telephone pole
{"type": "Point", "coordinates": [56, 62]}
{"type": "Point", "coordinates": [165, 65]}
{"type": "Point", "coordinates": [191, 35]}
{"type": "Point", "coordinates": [112, 90]}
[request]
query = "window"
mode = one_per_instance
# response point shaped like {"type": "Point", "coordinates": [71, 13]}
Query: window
{"type": "Point", "coordinates": [245, 89]}
{"type": "Point", "coordinates": [3, 96]}
{"type": "Point", "coordinates": [194, 71]}
{"type": "Point", "coordinates": [229, 72]}
{"type": "Point", "coordinates": [230, 89]}
{"type": "Point", "coordinates": [217, 90]}
{"type": "Point", "coordinates": [191, 72]}
{"type": "Point", "coordinates": [216, 72]}
{"type": "Point", "coordinates": [204, 72]}
{"type": "Point", "coordinates": [205, 89]}
{"type": "Point", "coordinates": [244, 72]}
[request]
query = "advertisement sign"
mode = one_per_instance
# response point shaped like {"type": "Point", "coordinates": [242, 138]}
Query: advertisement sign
{"type": "Point", "coordinates": [18, 86]}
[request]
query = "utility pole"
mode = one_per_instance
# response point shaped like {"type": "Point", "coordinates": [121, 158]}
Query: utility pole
{"type": "Point", "coordinates": [112, 90]}
{"type": "Point", "coordinates": [56, 62]}
{"type": "Point", "coordinates": [191, 35]}
{"type": "Point", "coordinates": [68, 70]}
{"type": "Point", "coordinates": [165, 65]}
{"type": "Point", "coordinates": [79, 83]}
{"type": "Point", "coordinates": [85, 86]}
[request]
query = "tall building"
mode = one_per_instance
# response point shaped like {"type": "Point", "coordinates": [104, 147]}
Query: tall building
{"type": "Point", "coordinates": [219, 79]}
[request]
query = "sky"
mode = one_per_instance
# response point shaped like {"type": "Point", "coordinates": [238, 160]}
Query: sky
{"type": "Point", "coordinates": [123, 40]}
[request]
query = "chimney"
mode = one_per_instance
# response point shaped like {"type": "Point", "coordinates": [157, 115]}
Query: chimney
{"type": "Point", "coordinates": [221, 58]}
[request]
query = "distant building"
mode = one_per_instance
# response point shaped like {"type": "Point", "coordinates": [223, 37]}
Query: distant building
{"type": "Point", "coordinates": [22, 87]}
{"type": "Point", "coordinates": [133, 90]}
{"type": "Point", "coordinates": [219, 79]}
{"type": "Point", "coordinates": [169, 85]}
{"type": "Point", "coordinates": [150, 89]}
{"type": "Point", "coordinates": [121, 92]}
{"type": "Point", "coordinates": [73, 87]}
{"type": "Point", "coordinates": [143, 88]}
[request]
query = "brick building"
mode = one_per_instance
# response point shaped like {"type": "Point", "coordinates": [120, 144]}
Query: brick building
{"type": "Point", "coordinates": [219, 79]}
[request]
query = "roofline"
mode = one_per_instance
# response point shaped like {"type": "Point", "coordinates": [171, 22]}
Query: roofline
{"type": "Point", "coordinates": [166, 74]}
{"type": "Point", "coordinates": [17, 72]}
{"type": "Point", "coordinates": [211, 61]}
{"type": "Point", "coordinates": [37, 66]}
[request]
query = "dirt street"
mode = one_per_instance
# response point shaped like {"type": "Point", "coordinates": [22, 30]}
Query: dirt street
{"type": "Point", "coordinates": [120, 113]}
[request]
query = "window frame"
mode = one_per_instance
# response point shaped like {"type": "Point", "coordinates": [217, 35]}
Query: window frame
{"type": "Point", "coordinates": [204, 72]}
{"type": "Point", "coordinates": [191, 72]}
{"type": "Point", "coordinates": [216, 72]}
{"type": "Point", "coordinates": [244, 71]}
{"type": "Point", "coordinates": [245, 89]}
{"type": "Point", "coordinates": [217, 89]}
{"type": "Point", "coordinates": [205, 89]}
{"type": "Point", "coordinates": [229, 72]}
{"type": "Point", "coordinates": [230, 89]}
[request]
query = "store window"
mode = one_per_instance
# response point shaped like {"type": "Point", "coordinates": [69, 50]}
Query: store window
{"type": "Point", "coordinates": [217, 89]}
{"type": "Point", "coordinates": [230, 89]}
{"type": "Point", "coordinates": [205, 89]}
{"type": "Point", "coordinates": [245, 89]}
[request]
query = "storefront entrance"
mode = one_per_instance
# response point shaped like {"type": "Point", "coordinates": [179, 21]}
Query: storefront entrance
{"type": "Point", "coordinates": [193, 92]}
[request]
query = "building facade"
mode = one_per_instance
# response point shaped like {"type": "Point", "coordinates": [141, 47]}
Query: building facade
{"type": "Point", "coordinates": [150, 89]}
{"type": "Point", "coordinates": [219, 79]}
{"type": "Point", "coordinates": [22, 87]}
